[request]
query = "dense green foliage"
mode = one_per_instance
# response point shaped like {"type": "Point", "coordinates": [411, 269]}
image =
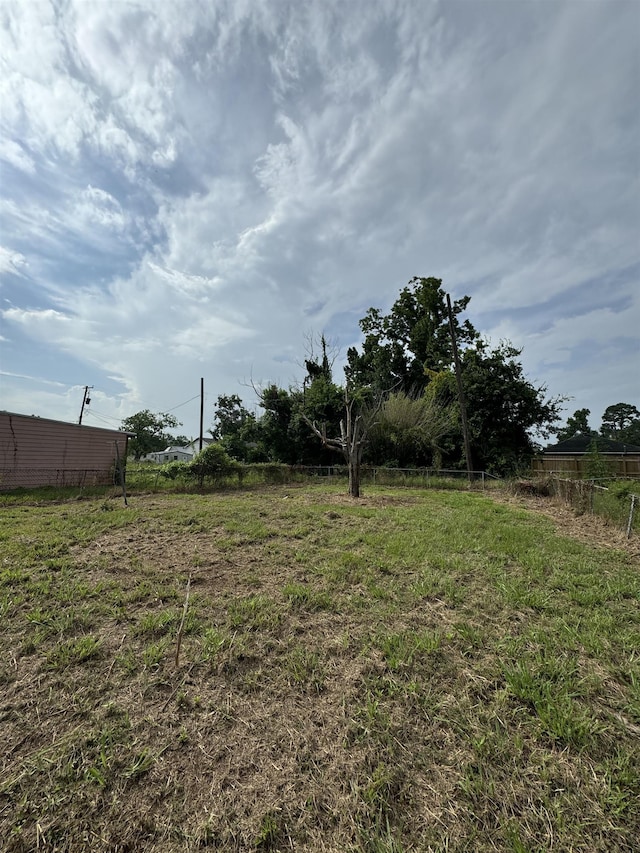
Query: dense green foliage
{"type": "Point", "coordinates": [238, 430]}
{"type": "Point", "coordinates": [213, 460]}
{"type": "Point", "coordinates": [620, 422]}
{"type": "Point", "coordinates": [281, 433]}
{"type": "Point", "coordinates": [149, 432]}
{"type": "Point", "coordinates": [406, 357]}
{"type": "Point", "coordinates": [504, 409]}
{"type": "Point", "coordinates": [401, 348]}
{"type": "Point", "coordinates": [578, 423]}
{"type": "Point", "coordinates": [411, 431]}
{"type": "Point", "coordinates": [403, 375]}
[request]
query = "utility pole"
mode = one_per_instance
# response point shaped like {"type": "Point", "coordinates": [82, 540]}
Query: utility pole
{"type": "Point", "coordinates": [85, 401]}
{"type": "Point", "coordinates": [461, 400]}
{"type": "Point", "coordinates": [201, 409]}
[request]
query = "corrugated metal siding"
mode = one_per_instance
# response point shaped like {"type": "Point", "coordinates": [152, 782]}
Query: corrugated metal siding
{"type": "Point", "coordinates": [38, 451]}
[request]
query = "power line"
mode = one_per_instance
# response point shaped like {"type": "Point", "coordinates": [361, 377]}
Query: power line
{"type": "Point", "coordinates": [106, 418]}
{"type": "Point", "coordinates": [150, 407]}
{"type": "Point", "coordinates": [117, 420]}
{"type": "Point", "coordinates": [102, 417]}
{"type": "Point", "coordinates": [197, 397]}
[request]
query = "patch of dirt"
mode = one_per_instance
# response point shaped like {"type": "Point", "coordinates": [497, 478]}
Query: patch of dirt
{"type": "Point", "coordinates": [587, 528]}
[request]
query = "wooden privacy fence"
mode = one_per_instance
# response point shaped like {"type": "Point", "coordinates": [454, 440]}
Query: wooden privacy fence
{"type": "Point", "coordinates": [618, 465]}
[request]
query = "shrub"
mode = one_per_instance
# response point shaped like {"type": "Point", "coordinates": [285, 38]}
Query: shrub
{"type": "Point", "coordinates": [213, 461]}
{"type": "Point", "coordinates": [622, 490]}
{"type": "Point", "coordinates": [173, 470]}
{"type": "Point", "coordinates": [597, 466]}
{"type": "Point", "coordinates": [540, 487]}
{"type": "Point", "coordinates": [272, 472]}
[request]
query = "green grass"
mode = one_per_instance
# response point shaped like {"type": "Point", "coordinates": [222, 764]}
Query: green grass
{"type": "Point", "coordinates": [417, 671]}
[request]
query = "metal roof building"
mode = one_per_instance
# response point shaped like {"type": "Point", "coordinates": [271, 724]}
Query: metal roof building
{"type": "Point", "coordinates": [38, 451]}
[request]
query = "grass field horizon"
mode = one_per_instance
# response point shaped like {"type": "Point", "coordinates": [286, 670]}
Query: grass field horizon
{"type": "Point", "coordinates": [288, 669]}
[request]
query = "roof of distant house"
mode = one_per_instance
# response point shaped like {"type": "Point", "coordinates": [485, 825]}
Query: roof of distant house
{"type": "Point", "coordinates": [584, 443]}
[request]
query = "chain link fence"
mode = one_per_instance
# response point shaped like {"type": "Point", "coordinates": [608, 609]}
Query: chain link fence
{"type": "Point", "coordinates": [31, 478]}
{"type": "Point", "coordinates": [151, 477]}
{"type": "Point", "coordinates": [616, 501]}
{"type": "Point", "coordinates": [619, 502]}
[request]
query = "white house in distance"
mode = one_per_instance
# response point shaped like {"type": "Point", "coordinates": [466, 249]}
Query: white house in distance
{"type": "Point", "coordinates": [177, 454]}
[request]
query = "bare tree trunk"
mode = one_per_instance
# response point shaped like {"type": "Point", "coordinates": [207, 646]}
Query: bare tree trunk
{"type": "Point", "coordinates": [353, 433]}
{"type": "Point", "coordinates": [354, 478]}
{"type": "Point", "coordinates": [352, 446]}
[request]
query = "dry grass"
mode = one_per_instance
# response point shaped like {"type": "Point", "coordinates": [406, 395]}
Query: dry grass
{"type": "Point", "coordinates": [412, 672]}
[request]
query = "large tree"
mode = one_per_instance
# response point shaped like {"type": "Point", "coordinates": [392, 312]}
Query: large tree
{"type": "Point", "coordinates": [505, 411]}
{"type": "Point", "coordinates": [577, 423]}
{"type": "Point", "coordinates": [411, 350]}
{"type": "Point", "coordinates": [278, 404]}
{"type": "Point", "coordinates": [401, 348]}
{"type": "Point", "coordinates": [622, 423]}
{"type": "Point", "coordinates": [238, 430]}
{"type": "Point", "coordinates": [149, 431]}
{"type": "Point", "coordinates": [351, 440]}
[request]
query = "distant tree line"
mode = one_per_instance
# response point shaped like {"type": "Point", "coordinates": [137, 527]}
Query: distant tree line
{"type": "Point", "coordinates": [620, 422]}
{"type": "Point", "coordinates": [398, 403]}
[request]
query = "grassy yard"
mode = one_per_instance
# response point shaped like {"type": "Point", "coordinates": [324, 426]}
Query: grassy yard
{"type": "Point", "coordinates": [285, 669]}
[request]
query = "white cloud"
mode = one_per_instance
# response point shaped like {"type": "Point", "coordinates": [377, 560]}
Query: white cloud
{"type": "Point", "coordinates": [53, 325]}
{"type": "Point", "coordinates": [196, 185]}
{"type": "Point", "coordinates": [11, 262]}
{"type": "Point", "coordinates": [14, 153]}
{"type": "Point", "coordinates": [189, 285]}
{"type": "Point", "coordinates": [37, 379]}
{"type": "Point", "coordinates": [94, 207]}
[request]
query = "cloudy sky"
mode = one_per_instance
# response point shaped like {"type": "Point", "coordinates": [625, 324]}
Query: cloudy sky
{"type": "Point", "coordinates": [189, 189]}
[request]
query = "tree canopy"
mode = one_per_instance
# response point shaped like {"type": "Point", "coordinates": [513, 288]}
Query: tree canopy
{"type": "Point", "coordinates": [149, 431]}
{"type": "Point", "coordinates": [622, 423]}
{"type": "Point", "coordinates": [577, 423]}
{"type": "Point", "coordinates": [403, 348]}
{"type": "Point", "coordinates": [406, 363]}
{"type": "Point", "coordinates": [411, 350]}
{"type": "Point", "coordinates": [238, 430]}
{"type": "Point", "coordinates": [505, 411]}
{"type": "Point", "coordinates": [403, 373]}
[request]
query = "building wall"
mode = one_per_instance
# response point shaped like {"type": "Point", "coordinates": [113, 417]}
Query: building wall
{"type": "Point", "coordinates": [175, 456]}
{"type": "Point", "coordinates": [41, 452]}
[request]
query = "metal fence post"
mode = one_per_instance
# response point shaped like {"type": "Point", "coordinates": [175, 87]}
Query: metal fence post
{"type": "Point", "coordinates": [631, 512]}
